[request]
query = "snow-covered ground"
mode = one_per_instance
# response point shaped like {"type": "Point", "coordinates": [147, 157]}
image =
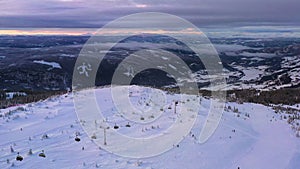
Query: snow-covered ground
{"type": "Point", "coordinates": [10, 95]}
{"type": "Point", "coordinates": [255, 137]}
{"type": "Point", "coordinates": [247, 54]}
{"type": "Point", "coordinates": [52, 64]}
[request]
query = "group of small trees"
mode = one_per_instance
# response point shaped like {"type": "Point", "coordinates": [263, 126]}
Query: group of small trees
{"type": "Point", "coordinates": [31, 96]}
{"type": "Point", "coordinates": [291, 115]}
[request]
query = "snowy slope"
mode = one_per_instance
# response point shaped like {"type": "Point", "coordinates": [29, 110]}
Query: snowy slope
{"type": "Point", "coordinates": [259, 141]}
{"type": "Point", "coordinates": [52, 64]}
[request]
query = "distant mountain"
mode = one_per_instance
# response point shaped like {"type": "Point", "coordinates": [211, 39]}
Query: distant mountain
{"type": "Point", "coordinates": [43, 63]}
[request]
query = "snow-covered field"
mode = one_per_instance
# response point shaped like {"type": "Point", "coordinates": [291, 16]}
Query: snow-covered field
{"type": "Point", "coordinates": [253, 137]}
{"type": "Point", "coordinates": [52, 64]}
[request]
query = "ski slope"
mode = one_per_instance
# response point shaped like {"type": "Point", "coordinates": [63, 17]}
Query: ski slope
{"type": "Point", "coordinates": [261, 140]}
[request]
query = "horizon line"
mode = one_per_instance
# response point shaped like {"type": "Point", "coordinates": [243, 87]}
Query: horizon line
{"type": "Point", "coordinates": [93, 31]}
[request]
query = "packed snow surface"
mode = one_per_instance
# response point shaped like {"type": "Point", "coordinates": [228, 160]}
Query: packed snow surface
{"type": "Point", "coordinates": [260, 140]}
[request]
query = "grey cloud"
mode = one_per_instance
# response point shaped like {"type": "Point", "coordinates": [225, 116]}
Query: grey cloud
{"type": "Point", "coordinates": [93, 13]}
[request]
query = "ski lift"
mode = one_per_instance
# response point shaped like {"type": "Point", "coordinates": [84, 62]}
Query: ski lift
{"type": "Point", "coordinates": [116, 127]}
{"type": "Point", "coordinates": [128, 125]}
{"type": "Point", "coordinates": [77, 138]}
{"type": "Point", "coordinates": [19, 158]}
{"type": "Point", "coordinates": [42, 154]}
{"type": "Point", "coordinates": [176, 103]}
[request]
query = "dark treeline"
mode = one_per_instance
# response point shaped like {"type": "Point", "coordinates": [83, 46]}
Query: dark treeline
{"type": "Point", "coordinates": [288, 96]}
{"type": "Point", "coordinates": [31, 96]}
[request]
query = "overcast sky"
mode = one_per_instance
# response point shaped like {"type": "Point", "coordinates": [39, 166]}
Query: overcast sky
{"type": "Point", "coordinates": [95, 13]}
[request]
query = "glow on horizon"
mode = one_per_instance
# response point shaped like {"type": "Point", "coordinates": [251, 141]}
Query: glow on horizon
{"type": "Point", "coordinates": [141, 5]}
{"type": "Point", "coordinates": [78, 32]}
{"type": "Point", "coordinates": [44, 32]}
{"type": "Point", "coordinates": [145, 31]}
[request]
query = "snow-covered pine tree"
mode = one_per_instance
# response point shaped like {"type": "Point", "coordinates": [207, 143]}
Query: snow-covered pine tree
{"type": "Point", "coordinates": [11, 149]}
{"type": "Point", "coordinates": [30, 152]}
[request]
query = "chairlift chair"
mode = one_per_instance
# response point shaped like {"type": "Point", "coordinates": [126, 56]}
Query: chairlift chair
{"type": "Point", "coordinates": [19, 158]}
{"type": "Point", "coordinates": [42, 154]}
